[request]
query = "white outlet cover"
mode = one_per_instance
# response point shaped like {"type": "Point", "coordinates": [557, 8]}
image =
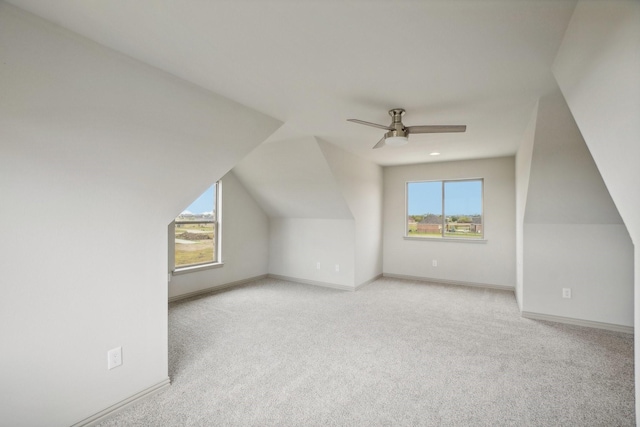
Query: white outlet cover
{"type": "Point", "coordinates": [114, 358]}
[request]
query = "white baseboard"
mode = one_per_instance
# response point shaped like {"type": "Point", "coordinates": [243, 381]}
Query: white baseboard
{"type": "Point", "coordinates": [366, 282]}
{"type": "Point", "coordinates": [216, 288]}
{"type": "Point", "coordinates": [312, 282]}
{"type": "Point", "coordinates": [274, 276]}
{"type": "Point", "coordinates": [578, 322]}
{"type": "Point", "coordinates": [450, 282]}
{"type": "Point", "coordinates": [114, 409]}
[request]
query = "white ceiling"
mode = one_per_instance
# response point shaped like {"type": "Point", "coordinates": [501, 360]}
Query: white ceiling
{"type": "Point", "coordinates": [314, 64]}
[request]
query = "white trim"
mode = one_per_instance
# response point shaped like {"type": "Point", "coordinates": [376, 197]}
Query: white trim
{"type": "Point", "coordinates": [199, 267]}
{"type": "Point", "coordinates": [366, 282]}
{"type": "Point", "coordinates": [219, 229]}
{"type": "Point", "coordinates": [578, 322]}
{"type": "Point", "coordinates": [312, 282]}
{"type": "Point", "coordinates": [216, 288]}
{"type": "Point", "coordinates": [450, 282]}
{"type": "Point", "coordinates": [114, 409]}
{"type": "Point", "coordinates": [446, 239]}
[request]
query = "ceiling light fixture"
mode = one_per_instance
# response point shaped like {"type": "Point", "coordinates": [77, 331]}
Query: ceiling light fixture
{"type": "Point", "coordinates": [396, 141]}
{"type": "Point", "coordinates": [396, 137]}
{"type": "Point", "coordinates": [435, 153]}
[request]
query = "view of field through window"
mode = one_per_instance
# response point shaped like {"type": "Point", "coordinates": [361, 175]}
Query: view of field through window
{"type": "Point", "coordinates": [195, 231]}
{"type": "Point", "coordinates": [440, 209]}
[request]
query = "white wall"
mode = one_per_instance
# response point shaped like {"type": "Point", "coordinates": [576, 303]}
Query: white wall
{"type": "Point", "coordinates": [296, 245]}
{"type": "Point", "coordinates": [90, 178]}
{"type": "Point", "coordinates": [597, 68]}
{"type": "Point", "coordinates": [594, 260]}
{"type": "Point", "coordinates": [523, 168]}
{"type": "Point", "coordinates": [361, 184]}
{"type": "Point", "coordinates": [565, 186]}
{"type": "Point", "coordinates": [245, 243]}
{"type": "Point", "coordinates": [324, 205]}
{"type": "Point", "coordinates": [291, 179]}
{"type": "Point", "coordinates": [573, 235]}
{"type": "Point", "coordinates": [489, 263]}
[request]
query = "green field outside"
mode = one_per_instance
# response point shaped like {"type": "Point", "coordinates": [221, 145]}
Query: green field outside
{"type": "Point", "coordinates": [413, 232]}
{"type": "Point", "coordinates": [194, 244]}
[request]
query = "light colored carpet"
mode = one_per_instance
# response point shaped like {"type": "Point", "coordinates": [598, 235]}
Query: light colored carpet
{"type": "Point", "coordinates": [394, 353]}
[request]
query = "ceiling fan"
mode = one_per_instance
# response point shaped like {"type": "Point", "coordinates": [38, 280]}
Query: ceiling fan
{"type": "Point", "coordinates": [398, 133]}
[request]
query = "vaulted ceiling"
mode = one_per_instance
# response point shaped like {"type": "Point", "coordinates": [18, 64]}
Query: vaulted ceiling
{"type": "Point", "coordinates": [314, 64]}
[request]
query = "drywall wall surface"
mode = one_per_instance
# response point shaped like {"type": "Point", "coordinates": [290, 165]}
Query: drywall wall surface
{"type": "Point", "coordinates": [291, 179]}
{"type": "Point", "coordinates": [360, 182]}
{"type": "Point", "coordinates": [245, 243]}
{"type": "Point", "coordinates": [310, 249]}
{"type": "Point", "coordinates": [491, 263]}
{"type": "Point", "coordinates": [523, 169]}
{"type": "Point", "coordinates": [573, 235]}
{"type": "Point", "coordinates": [92, 169]}
{"type": "Point", "coordinates": [565, 186]}
{"type": "Point", "coordinates": [597, 69]}
{"type": "Point", "coordinates": [593, 260]}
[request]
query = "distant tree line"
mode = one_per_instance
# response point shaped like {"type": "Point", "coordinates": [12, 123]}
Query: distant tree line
{"type": "Point", "coordinates": [430, 218]}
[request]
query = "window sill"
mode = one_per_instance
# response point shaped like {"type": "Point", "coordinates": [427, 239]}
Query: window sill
{"type": "Point", "coordinates": [194, 268]}
{"type": "Point", "coordinates": [445, 239]}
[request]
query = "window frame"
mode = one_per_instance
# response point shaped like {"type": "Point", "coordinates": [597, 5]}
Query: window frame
{"type": "Point", "coordinates": [217, 230]}
{"type": "Point", "coordinates": [443, 237]}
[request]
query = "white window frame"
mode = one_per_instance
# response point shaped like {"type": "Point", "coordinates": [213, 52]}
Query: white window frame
{"type": "Point", "coordinates": [443, 237]}
{"type": "Point", "coordinates": [217, 230]}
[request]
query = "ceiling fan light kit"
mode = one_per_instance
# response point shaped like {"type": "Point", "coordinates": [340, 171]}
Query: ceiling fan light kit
{"type": "Point", "coordinates": [398, 134]}
{"type": "Point", "coordinates": [396, 141]}
{"type": "Point", "coordinates": [395, 138]}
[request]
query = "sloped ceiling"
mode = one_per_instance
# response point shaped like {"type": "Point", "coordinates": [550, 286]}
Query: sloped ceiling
{"type": "Point", "coordinates": [559, 194]}
{"type": "Point", "coordinates": [314, 64]}
{"type": "Point", "coordinates": [292, 179]}
{"type": "Point", "coordinates": [76, 109]}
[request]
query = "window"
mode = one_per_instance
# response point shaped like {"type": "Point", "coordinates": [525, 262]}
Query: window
{"type": "Point", "coordinates": [197, 231]}
{"type": "Point", "coordinates": [445, 209]}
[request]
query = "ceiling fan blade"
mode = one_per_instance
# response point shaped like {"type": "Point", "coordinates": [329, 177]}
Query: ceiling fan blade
{"type": "Point", "coordinates": [436, 129]}
{"type": "Point", "coordinates": [379, 144]}
{"type": "Point", "coordinates": [375, 125]}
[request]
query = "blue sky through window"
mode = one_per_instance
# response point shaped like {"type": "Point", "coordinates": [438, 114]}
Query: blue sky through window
{"type": "Point", "coordinates": [461, 197]}
{"type": "Point", "coordinates": [204, 203]}
{"type": "Point", "coordinates": [425, 197]}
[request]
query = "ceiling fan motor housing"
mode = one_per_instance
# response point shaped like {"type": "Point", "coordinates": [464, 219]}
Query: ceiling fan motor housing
{"type": "Point", "coordinates": [397, 136]}
{"type": "Point", "coordinates": [396, 133]}
{"type": "Point", "coordinates": [396, 118]}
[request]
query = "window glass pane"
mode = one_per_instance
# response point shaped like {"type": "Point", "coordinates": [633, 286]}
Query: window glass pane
{"type": "Point", "coordinates": [424, 209]}
{"type": "Point", "coordinates": [195, 231]}
{"type": "Point", "coordinates": [463, 209]}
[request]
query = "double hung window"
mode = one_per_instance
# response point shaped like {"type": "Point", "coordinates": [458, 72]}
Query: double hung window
{"type": "Point", "coordinates": [197, 231]}
{"type": "Point", "coordinates": [445, 209]}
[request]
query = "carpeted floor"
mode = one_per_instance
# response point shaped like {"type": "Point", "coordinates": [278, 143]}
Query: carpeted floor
{"type": "Point", "coordinates": [394, 353]}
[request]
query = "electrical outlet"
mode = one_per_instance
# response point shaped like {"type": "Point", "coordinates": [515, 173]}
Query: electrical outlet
{"type": "Point", "coordinates": [114, 357]}
{"type": "Point", "coordinates": [318, 265]}
{"type": "Point", "coordinates": [337, 268]}
{"type": "Point", "coordinates": [434, 263]}
{"type": "Point", "coordinates": [566, 292]}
